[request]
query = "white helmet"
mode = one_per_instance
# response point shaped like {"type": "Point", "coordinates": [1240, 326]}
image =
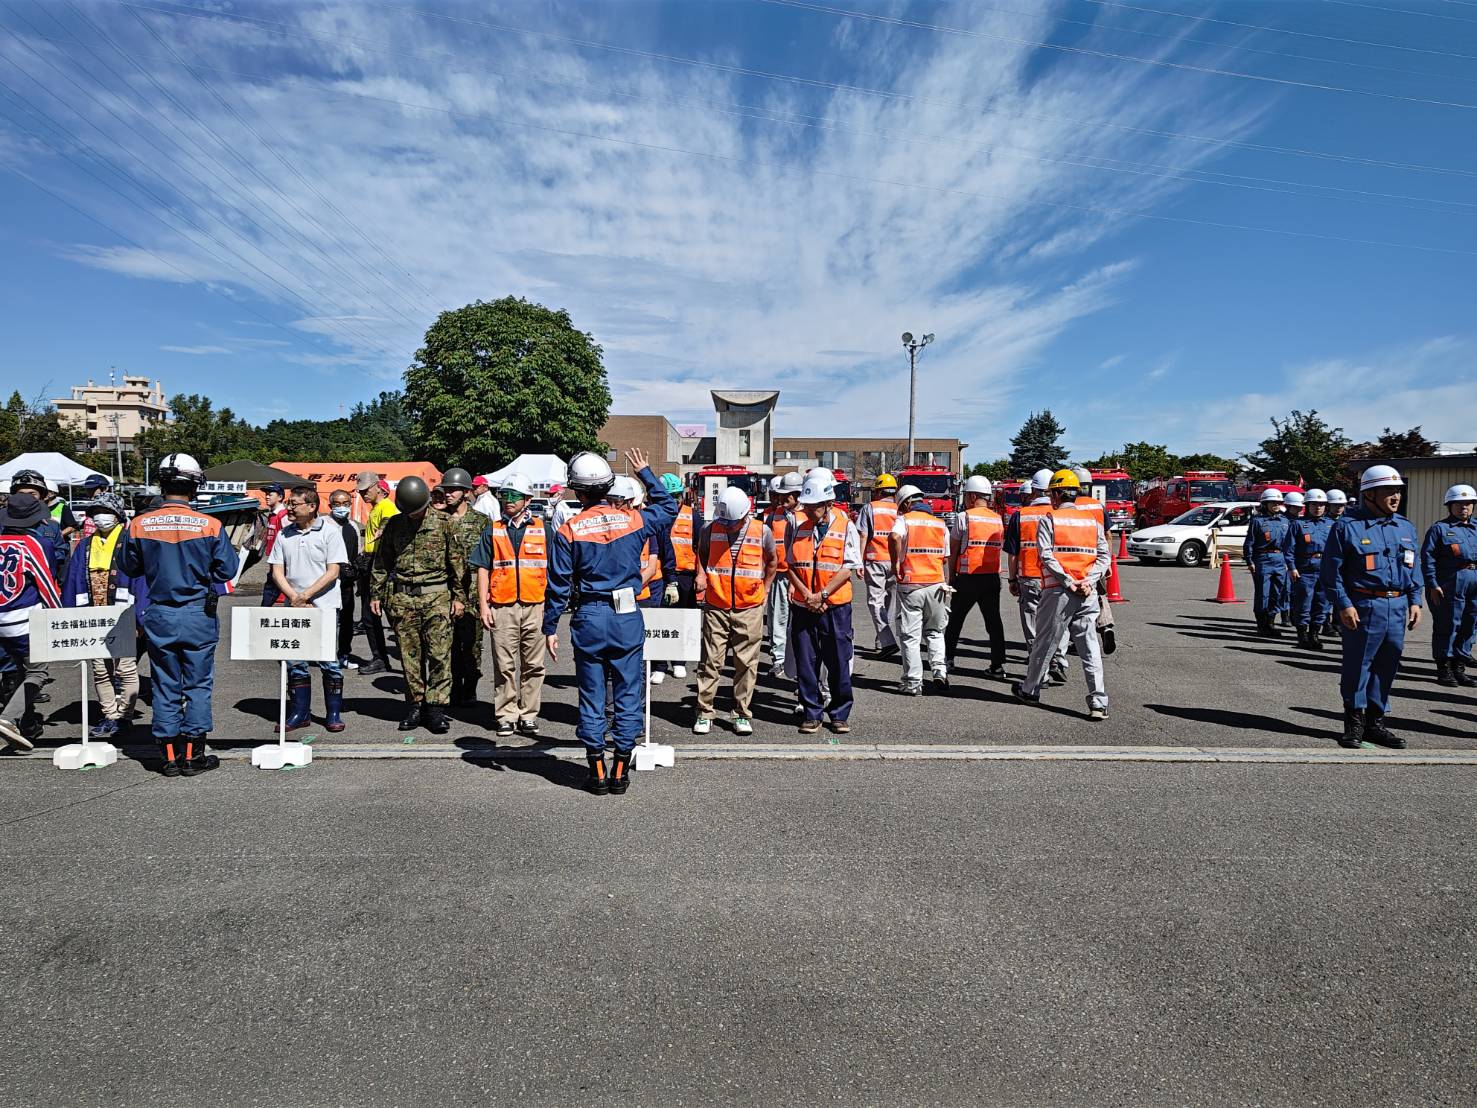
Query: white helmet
{"type": "Point", "coordinates": [1293, 500]}
{"type": "Point", "coordinates": [181, 467]}
{"type": "Point", "coordinates": [822, 472]}
{"type": "Point", "coordinates": [1337, 496]}
{"type": "Point", "coordinates": [518, 483]}
{"type": "Point", "coordinates": [1316, 496]}
{"type": "Point", "coordinates": [1271, 496]}
{"type": "Point", "coordinates": [1376, 477]}
{"type": "Point", "coordinates": [589, 473]}
{"type": "Point", "coordinates": [624, 488]}
{"type": "Point", "coordinates": [906, 493]}
{"type": "Point", "coordinates": [1084, 476]}
{"type": "Point", "coordinates": [980, 485]}
{"type": "Point", "coordinates": [1460, 492]}
{"type": "Point", "coordinates": [776, 484]}
{"type": "Point", "coordinates": [818, 487]}
{"type": "Point", "coordinates": [791, 482]}
{"type": "Point", "coordinates": [1041, 480]}
{"type": "Point", "coordinates": [1027, 489]}
{"type": "Point", "coordinates": [733, 503]}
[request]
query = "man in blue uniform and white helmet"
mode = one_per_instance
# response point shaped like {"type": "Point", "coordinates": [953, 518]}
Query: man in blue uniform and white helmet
{"type": "Point", "coordinates": [595, 571]}
{"type": "Point", "coordinates": [1449, 567]}
{"type": "Point", "coordinates": [1310, 533]}
{"type": "Point", "coordinates": [185, 558]}
{"type": "Point", "coordinates": [1268, 543]}
{"type": "Point", "coordinates": [1372, 575]}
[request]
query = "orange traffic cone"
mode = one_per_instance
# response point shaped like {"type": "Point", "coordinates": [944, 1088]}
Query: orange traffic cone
{"type": "Point", "coordinates": [1122, 545]}
{"type": "Point", "coordinates": [1115, 594]}
{"type": "Point", "coordinates": [1226, 594]}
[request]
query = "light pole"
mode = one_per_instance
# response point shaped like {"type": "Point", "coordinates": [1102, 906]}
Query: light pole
{"type": "Point", "coordinates": [913, 348]}
{"type": "Point", "coordinates": [115, 418]}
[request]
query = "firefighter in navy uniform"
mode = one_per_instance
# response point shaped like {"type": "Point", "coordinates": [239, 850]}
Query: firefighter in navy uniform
{"type": "Point", "coordinates": [1449, 566]}
{"type": "Point", "coordinates": [185, 558]}
{"type": "Point", "coordinates": [1265, 551]}
{"type": "Point", "coordinates": [595, 571]}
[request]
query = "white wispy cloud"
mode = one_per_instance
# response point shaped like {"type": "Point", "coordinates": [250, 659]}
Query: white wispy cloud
{"type": "Point", "coordinates": [196, 349]}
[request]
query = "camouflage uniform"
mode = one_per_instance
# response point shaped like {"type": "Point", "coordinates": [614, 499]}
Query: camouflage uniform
{"type": "Point", "coordinates": [420, 568]}
{"type": "Point", "coordinates": [466, 632]}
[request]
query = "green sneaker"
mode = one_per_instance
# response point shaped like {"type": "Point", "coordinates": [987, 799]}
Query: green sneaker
{"type": "Point", "coordinates": [742, 726]}
{"type": "Point", "coordinates": [702, 725]}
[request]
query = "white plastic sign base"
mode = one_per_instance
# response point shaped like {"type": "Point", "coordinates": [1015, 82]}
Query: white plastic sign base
{"type": "Point", "coordinates": [78, 756]}
{"type": "Point", "coordinates": [281, 755]}
{"type": "Point", "coordinates": [651, 755]}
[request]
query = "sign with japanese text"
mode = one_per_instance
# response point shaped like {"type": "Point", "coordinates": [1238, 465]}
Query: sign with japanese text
{"type": "Point", "coordinates": [77, 634]}
{"type": "Point", "coordinates": [673, 634]}
{"type": "Point", "coordinates": [217, 488]}
{"type": "Point", "coordinates": [284, 634]}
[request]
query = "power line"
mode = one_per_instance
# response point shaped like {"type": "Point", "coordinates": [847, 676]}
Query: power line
{"type": "Point", "coordinates": [1400, 11]}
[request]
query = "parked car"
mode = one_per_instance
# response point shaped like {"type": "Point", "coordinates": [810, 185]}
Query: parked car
{"type": "Point", "coordinates": [1186, 538]}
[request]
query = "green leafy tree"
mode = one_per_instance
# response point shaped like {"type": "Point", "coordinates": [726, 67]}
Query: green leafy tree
{"type": "Point", "coordinates": [1302, 446]}
{"type": "Point", "coordinates": [1038, 444]}
{"type": "Point", "coordinates": [495, 380]}
{"type": "Point", "coordinates": [998, 470]}
{"type": "Point", "coordinates": [34, 426]}
{"type": "Point", "coordinates": [1140, 460]}
{"type": "Point", "coordinates": [1406, 444]}
{"type": "Point", "coordinates": [210, 436]}
{"type": "Point", "coordinates": [1231, 466]}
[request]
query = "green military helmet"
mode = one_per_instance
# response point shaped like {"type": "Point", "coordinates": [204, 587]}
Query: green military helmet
{"type": "Point", "coordinates": [456, 478]}
{"type": "Point", "coordinates": [412, 494]}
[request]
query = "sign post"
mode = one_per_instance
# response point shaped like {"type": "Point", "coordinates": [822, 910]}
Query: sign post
{"type": "Point", "coordinates": [672, 635]}
{"type": "Point", "coordinates": [80, 635]}
{"type": "Point", "coordinates": [282, 635]}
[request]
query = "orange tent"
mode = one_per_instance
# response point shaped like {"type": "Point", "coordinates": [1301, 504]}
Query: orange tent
{"type": "Point", "coordinates": [331, 476]}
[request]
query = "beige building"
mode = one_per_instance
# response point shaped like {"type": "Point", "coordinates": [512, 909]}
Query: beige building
{"type": "Point", "coordinates": [103, 415]}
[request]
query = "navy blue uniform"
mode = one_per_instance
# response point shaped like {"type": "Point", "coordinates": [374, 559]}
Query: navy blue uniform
{"type": "Point", "coordinates": [1309, 602]}
{"type": "Point", "coordinates": [1449, 563]}
{"type": "Point", "coordinates": [1371, 564]}
{"type": "Point", "coordinates": [1266, 549]}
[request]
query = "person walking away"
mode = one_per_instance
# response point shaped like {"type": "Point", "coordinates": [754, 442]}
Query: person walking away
{"type": "Point", "coordinates": [26, 584]}
{"type": "Point", "coordinates": [466, 630]}
{"type": "Point", "coordinates": [95, 580]}
{"type": "Point", "coordinates": [738, 563]}
{"type": "Point", "coordinates": [1025, 568]}
{"type": "Point", "coordinates": [185, 559]}
{"type": "Point", "coordinates": [875, 525]}
{"type": "Point", "coordinates": [1449, 568]}
{"type": "Point", "coordinates": [1309, 536]}
{"type": "Point", "coordinates": [419, 573]}
{"type": "Point", "coordinates": [1073, 548]}
{"type": "Point", "coordinates": [305, 563]}
{"type": "Point", "coordinates": [823, 551]}
{"type": "Point", "coordinates": [779, 517]}
{"type": "Point", "coordinates": [512, 563]}
{"type": "Point", "coordinates": [1106, 630]}
{"type": "Point", "coordinates": [595, 568]}
{"type": "Point", "coordinates": [1265, 551]}
{"type": "Point", "coordinates": [920, 560]}
{"type": "Point", "coordinates": [376, 494]}
{"type": "Point", "coordinates": [977, 539]}
{"type": "Point", "coordinates": [339, 509]}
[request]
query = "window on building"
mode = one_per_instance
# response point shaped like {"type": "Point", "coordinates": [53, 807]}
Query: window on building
{"type": "Point", "coordinates": [933, 458]}
{"type": "Point", "coordinates": [790, 455]}
{"type": "Point", "coordinates": [844, 460]}
{"type": "Point", "coordinates": [744, 444]}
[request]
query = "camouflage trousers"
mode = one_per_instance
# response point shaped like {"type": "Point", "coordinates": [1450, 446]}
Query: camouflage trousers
{"type": "Point", "coordinates": [423, 628]}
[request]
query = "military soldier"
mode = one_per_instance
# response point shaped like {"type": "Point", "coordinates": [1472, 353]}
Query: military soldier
{"type": "Point", "coordinates": [466, 629]}
{"type": "Point", "coordinates": [420, 573]}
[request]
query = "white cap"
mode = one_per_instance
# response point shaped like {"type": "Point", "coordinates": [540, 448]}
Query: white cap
{"type": "Point", "coordinates": [1271, 496]}
{"type": "Point", "coordinates": [733, 503]}
{"type": "Point", "coordinates": [1294, 499]}
{"type": "Point", "coordinates": [906, 493]}
{"type": "Point", "coordinates": [1041, 480]}
{"type": "Point", "coordinates": [1316, 496]}
{"type": "Point", "coordinates": [516, 481]}
{"type": "Point", "coordinates": [1460, 492]}
{"type": "Point", "coordinates": [980, 485]}
{"type": "Point", "coordinates": [1337, 496]}
{"type": "Point", "coordinates": [818, 487]}
{"type": "Point", "coordinates": [589, 473]}
{"type": "Point", "coordinates": [1376, 477]}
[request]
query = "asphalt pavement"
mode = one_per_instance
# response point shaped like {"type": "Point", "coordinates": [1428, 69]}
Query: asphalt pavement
{"type": "Point", "coordinates": [393, 933]}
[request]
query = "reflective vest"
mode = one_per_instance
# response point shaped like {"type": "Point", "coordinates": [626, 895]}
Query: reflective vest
{"type": "Point", "coordinates": [884, 513]}
{"type": "Point", "coordinates": [983, 538]}
{"type": "Point", "coordinates": [682, 540]}
{"type": "Point", "coordinates": [1073, 542]}
{"type": "Point", "coordinates": [1093, 507]}
{"type": "Point", "coordinates": [649, 561]}
{"type": "Point", "coordinates": [815, 566]}
{"type": "Point", "coordinates": [521, 575]}
{"type": "Point", "coordinates": [925, 546]}
{"type": "Point", "coordinates": [778, 523]}
{"type": "Point", "coordinates": [1028, 560]}
{"type": "Point", "coordinates": [735, 583]}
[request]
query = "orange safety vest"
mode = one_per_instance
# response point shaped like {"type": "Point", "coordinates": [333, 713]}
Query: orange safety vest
{"type": "Point", "coordinates": [1073, 542]}
{"type": "Point", "coordinates": [778, 523]}
{"type": "Point", "coordinates": [815, 566]}
{"type": "Point", "coordinates": [1028, 560]}
{"type": "Point", "coordinates": [521, 575]}
{"type": "Point", "coordinates": [983, 537]}
{"type": "Point", "coordinates": [884, 513]}
{"type": "Point", "coordinates": [649, 561]}
{"type": "Point", "coordinates": [925, 546]}
{"type": "Point", "coordinates": [735, 584]}
{"type": "Point", "coordinates": [1093, 507]}
{"type": "Point", "coordinates": [682, 540]}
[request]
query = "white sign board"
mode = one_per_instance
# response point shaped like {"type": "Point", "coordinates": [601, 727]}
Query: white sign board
{"type": "Point", "coordinates": [217, 488]}
{"type": "Point", "coordinates": [284, 634]}
{"type": "Point", "coordinates": [77, 634]}
{"type": "Point", "coordinates": [712, 488]}
{"type": "Point", "coordinates": [673, 634]}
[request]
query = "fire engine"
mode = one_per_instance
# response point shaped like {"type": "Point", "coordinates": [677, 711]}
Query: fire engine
{"type": "Point", "coordinates": [714, 479]}
{"type": "Point", "coordinates": [1114, 488]}
{"type": "Point", "coordinates": [937, 484]}
{"type": "Point", "coordinates": [1179, 494]}
{"type": "Point", "coordinates": [843, 492]}
{"type": "Point", "coordinates": [1009, 497]}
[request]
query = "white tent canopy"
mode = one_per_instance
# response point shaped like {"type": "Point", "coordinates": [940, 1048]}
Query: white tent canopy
{"type": "Point", "coordinates": [56, 468]}
{"type": "Point", "coordinates": [542, 471]}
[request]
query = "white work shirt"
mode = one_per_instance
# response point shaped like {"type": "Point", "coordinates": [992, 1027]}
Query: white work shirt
{"type": "Point", "coordinates": [900, 529]}
{"type": "Point", "coordinates": [487, 504]}
{"type": "Point", "coordinates": [306, 555]}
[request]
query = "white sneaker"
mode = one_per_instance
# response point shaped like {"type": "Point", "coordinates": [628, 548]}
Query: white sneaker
{"type": "Point", "coordinates": [12, 734]}
{"type": "Point", "coordinates": [702, 725]}
{"type": "Point", "coordinates": [679, 671]}
{"type": "Point", "coordinates": [658, 676]}
{"type": "Point", "coordinates": [742, 726]}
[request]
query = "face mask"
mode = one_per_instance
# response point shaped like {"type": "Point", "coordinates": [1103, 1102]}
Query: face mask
{"type": "Point", "coordinates": [105, 522]}
{"type": "Point", "coordinates": [340, 512]}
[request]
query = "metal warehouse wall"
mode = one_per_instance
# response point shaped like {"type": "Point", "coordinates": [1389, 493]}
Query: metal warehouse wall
{"type": "Point", "coordinates": [1426, 484]}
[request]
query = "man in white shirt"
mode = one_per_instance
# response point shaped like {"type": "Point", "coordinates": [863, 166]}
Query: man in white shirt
{"type": "Point", "coordinates": [305, 563]}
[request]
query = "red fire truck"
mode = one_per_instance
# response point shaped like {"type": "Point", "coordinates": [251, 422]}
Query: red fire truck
{"type": "Point", "coordinates": [843, 492]}
{"type": "Point", "coordinates": [937, 484]}
{"type": "Point", "coordinates": [1009, 497]}
{"type": "Point", "coordinates": [1179, 494]}
{"type": "Point", "coordinates": [711, 479]}
{"type": "Point", "coordinates": [1114, 488]}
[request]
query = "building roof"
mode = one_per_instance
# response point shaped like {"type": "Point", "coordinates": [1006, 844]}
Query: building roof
{"type": "Point", "coordinates": [725, 398]}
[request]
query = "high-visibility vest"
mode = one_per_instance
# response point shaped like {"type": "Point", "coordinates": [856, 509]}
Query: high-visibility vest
{"type": "Point", "coordinates": [983, 537]}
{"type": "Point", "coordinates": [522, 575]}
{"type": "Point", "coordinates": [778, 523]}
{"type": "Point", "coordinates": [735, 582]}
{"type": "Point", "coordinates": [884, 514]}
{"type": "Point", "coordinates": [1073, 541]}
{"type": "Point", "coordinates": [1028, 561]}
{"type": "Point", "coordinates": [649, 561]}
{"type": "Point", "coordinates": [815, 566]}
{"type": "Point", "coordinates": [925, 546]}
{"type": "Point", "coordinates": [682, 532]}
{"type": "Point", "coordinates": [1093, 507]}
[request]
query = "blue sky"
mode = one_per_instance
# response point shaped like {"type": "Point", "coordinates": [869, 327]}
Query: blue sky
{"type": "Point", "coordinates": [1163, 220]}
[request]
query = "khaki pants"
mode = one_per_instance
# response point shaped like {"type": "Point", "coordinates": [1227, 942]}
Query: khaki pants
{"type": "Point", "coordinates": [882, 602]}
{"type": "Point", "coordinates": [518, 648]}
{"type": "Point", "coordinates": [117, 704]}
{"type": "Point", "coordinates": [742, 631]}
{"type": "Point", "coordinates": [923, 614]}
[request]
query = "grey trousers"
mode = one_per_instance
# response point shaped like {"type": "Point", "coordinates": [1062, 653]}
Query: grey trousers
{"type": "Point", "coordinates": [882, 601]}
{"type": "Point", "coordinates": [778, 621]}
{"type": "Point", "coordinates": [922, 616]}
{"type": "Point", "coordinates": [1030, 604]}
{"type": "Point", "coordinates": [1061, 610]}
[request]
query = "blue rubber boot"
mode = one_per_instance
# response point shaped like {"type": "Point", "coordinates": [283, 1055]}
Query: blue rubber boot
{"type": "Point", "coordinates": [333, 700]}
{"type": "Point", "coordinates": [299, 703]}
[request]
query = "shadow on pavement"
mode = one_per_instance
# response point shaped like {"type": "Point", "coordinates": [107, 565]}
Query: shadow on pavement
{"type": "Point", "coordinates": [1397, 723]}
{"type": "Point", "coordinates": [538, 760]}
{"type": "Point", "coordinates": [1240, 721]}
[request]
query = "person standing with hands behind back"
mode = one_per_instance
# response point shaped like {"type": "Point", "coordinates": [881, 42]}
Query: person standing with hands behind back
{"type": "Point", "coordinates": [306, 560]}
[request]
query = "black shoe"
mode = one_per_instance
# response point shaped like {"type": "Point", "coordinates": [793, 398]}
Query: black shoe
{"type": "Point", "coordinates": [195, 760]}
{"type": "Point", "coordinates": [373, 666]}
{"type": "Point", "coordinates": [997, 671]}
{"type": "Point", "coordinates": [1375, 729]}
{"type": "Point", "coordinates": [435, 719]}
{"type": "Point", "coordinates": [940, 681]}
{"type": "Point", "coordinates": [909, 688]}
{"type": "Point", "coordinates": [1019, 691]}
{"type": "Point", "coordinates": [1315, 641]}
{"type": "Point", "coordinates": [41, 698]}
{"type": "Point", "coordinates": [528, 727]}
{"type": "Point", "coordinates": [1459, 671]}
{"type": "Point", "coordinates": [31, 725]}
{"type": "Point", "coordinates": [1056, 676]}
{"type": "Point", "coordinates": [597, 783]}
{"type": "Point", "coordinates": [1110, 640]}
{"type": "Point", "coordinates": [1444, 676]}
{"type": "Point", "coordinates": [412, 718]}
{"type": "Point", "coordinates": [885, 652]}
{"type": "Point", "coordinates": [1353, 736]}
{"type": "Point", "coordinates": [620, 774]}
{"type": "Point", "coordinates": [505, 730]}
{"type": "Point", "coordinates": [1285, 618]}
{"type": "Point", "coordinates": [169, 765]}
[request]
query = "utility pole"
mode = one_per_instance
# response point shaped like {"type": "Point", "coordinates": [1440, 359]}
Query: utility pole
{"type": "Point", "coordinates": [115, 418]}
{"type": "Point", "coordinates": [913, 348]}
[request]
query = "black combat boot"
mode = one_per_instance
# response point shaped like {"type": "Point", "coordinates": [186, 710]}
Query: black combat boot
{"type": "Point", "coordinates": [1444, 676]}
{"type": "Point", "coordinates": [1459, 671]}
{"type": "Point", "coordinates": [620, 773]}
{"type": "Point", "coordinates": [597, 782]}
{"type": "Point", "coordinates": [1302, 630]}
{"type": "Point", "coordinates": [169, 764]}
{"type": "Point", "coordinates": [1374, 727]}
{"type": "Point", "coordinates": [195, 760]}
{"type": "Point", "coordinates": [412, 718]}
{"type": "Point", "coordinates": [1353, 736]}
{"type": "Point", "coordinates": [1315, 640]}
{"type": "Point", "coordinates": [436, 721]}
